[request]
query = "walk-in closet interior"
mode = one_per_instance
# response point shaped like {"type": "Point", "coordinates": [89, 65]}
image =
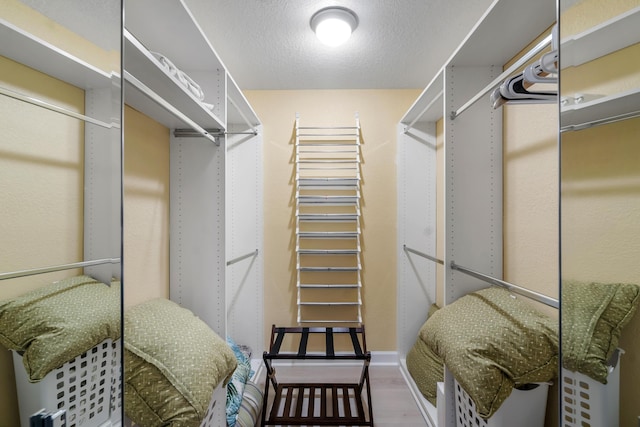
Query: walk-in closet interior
{"type": "Point", "coordinates": [170, 210]}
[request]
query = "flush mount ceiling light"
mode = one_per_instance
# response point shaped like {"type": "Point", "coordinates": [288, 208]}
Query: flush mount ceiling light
{"type": "Point", "coordinates": [334, 25]}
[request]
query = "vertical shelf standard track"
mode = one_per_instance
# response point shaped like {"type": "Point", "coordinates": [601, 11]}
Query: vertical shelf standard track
{"type": "Point", "coordinates": [328, 250]}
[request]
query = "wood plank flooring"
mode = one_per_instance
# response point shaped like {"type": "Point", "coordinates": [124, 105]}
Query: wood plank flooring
{"type": "Point", "coordinates": [393, 404]}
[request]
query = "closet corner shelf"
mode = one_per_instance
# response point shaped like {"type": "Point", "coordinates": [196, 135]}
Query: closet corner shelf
{"type": "Point", "coordinates": [143, 66]}
{"type": "Point", "coordinates": [40, 55]}
{"type": "Point", "coordinates": [298, 404]}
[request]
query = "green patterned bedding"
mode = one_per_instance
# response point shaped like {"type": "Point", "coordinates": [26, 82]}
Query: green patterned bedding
{"type": "Point", "coordinates": [173, 363]}
{"type": "Point", "coordinates": [593, 315]}
{"type": "Point", "coordinates": [492, 342]}
{"type": "Point", "coordinates": [426, 369]}
{"type": "Point", "coordinates": [56, 323]}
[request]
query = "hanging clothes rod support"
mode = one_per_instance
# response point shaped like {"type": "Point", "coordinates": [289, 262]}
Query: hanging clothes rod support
{"type": "Point", "coordinates": [551, 302]}
{"type": "Point", "coordinates": [509, 71]}
{"type": "Point", "coordinates": [422, 254]}
{"type": "Point", "coordinates": [55, 108]}
{"type": "Point", "coordinates": [167, 106]}
{"type": "Point", "coordinates": [34, 271]}
{"type": "Point", "coordinates": [241, 257]}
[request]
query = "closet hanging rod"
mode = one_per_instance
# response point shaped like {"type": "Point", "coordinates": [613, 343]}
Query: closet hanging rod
{"type": "Point", "coordinates": [254, 133]}
{"type": "Point", "coordinates": [185, 133]}
{"type": "Point", "coordinates": [604, 121]}
{"type": "Point", "coordinates": [509, 71]}
{"type": "Point", "coordinates": [435, 99]}
{"type": "Point", "coordinates": [55, 108]}
{"type": "Point", "coordinates": [246, 120]}
{"type": "Point", "coordinates": [551, 302]}
{"type": "Point", "coordinates": [167, 106]}
{"type": "Point", "coordinates": [42, 270]}
{"type": "Point", "coordinates": [422, 254]}
{"type": "Point", "coordinates": [241, 257]}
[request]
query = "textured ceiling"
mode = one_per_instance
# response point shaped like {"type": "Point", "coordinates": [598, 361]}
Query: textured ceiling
{"type": "Point", "coordinates": [268, 44]}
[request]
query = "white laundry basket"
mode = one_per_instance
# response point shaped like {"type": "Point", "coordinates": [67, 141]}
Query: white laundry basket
{"type": "Point", "coordinates": [216, 415]}
{"type": "Point", "coordinates": [589, 403]}
{"type": "Point", "coordinates": [88, 388]}
{"type": "Point", "coordinates": [523, 408]}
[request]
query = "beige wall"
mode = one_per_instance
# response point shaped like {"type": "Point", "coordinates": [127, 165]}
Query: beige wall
{"type": "Point", "coordinates": [146, 208]}
{"type": "Point", "coordinates": [380, 111]}
{"type": "Point", "coordinates": [41, 188]}
{"type": "Point", "coordinates": [530, 196]}
{"type": "Point", "coordinates": [530, 223]}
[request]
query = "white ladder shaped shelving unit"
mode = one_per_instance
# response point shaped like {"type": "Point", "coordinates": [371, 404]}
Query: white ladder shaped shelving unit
{"type": "Point", "coordinates": [328, 249]}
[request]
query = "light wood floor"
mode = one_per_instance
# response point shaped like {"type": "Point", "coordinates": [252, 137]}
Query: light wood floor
{"type": "Point", "coordinates": [393, 404]}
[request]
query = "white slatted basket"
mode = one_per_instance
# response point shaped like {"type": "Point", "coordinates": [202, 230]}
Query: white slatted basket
{"type": "Point", "coordinates": [523, 408]}
{"type": "Point", "coordinates": [88, 388]}
{"type": "Point", "coordinates": [215, 415]}
{"type": "Point", "coordinates": [589, 403]}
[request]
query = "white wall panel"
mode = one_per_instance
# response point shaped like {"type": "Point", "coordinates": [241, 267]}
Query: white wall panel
{"type": "Point", "coordinates": [197, 229]}
{"type": "Point", "coordinates": [245, 213]}
{"type": "Point", "coordinates": [416, 229]}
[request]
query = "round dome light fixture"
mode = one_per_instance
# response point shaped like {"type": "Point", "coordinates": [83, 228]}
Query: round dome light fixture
{"type": "Point", "coordinates": [334, 25]}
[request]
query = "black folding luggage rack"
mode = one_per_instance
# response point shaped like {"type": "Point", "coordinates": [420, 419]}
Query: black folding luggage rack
{"type": "Point", "coordinates": [320, 404]}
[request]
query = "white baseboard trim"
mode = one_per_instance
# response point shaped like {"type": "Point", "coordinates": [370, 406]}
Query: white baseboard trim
{"type": "Point", "coordinates": [385, 358]}
{"type": "Point", "coordinates": [428, 411]}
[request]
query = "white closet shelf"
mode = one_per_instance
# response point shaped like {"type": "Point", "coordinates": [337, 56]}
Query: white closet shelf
{"type": "Point", "coordinates": [242, 112]}
{"type": "Point", "coordinates": [601, 110]}
{"type": "Point", "coordinates": [320, 217]}
{"type": "Point", "coordinates": [429, 105]}
{"type": "Point", "coordinates": [189, 50]}
{"type": "Point", "coordinates": [327, 303]}
{"type": "Point", "coordinates": [328, 251]}
{"type": "Point", "coordinates": [329, 234]}
{"type": "Point", "coordinates": [143, 99]}
{"type": "Point", "coordinates": [328, 182]}
{"type": "Point", "coordinates": [500, 34]}
{"type": "Point", "coordinates": [140, 64]}
{"type": "Point", "coordinates": [600, 40]}
{"type": "Point", "coordinates": [328, 200]}
{"type": "Point", "coordinates": [331, 269]}
{"type": "Point", "coordinates": [329, 285]}
{"type": "Point", "coordinates": [41, 55]}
